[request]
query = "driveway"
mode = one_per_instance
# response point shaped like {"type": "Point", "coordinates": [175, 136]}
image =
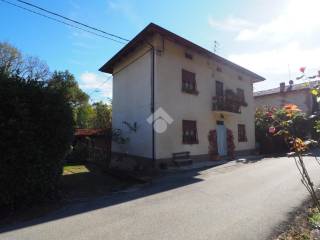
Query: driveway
{"type": "Point", "coordinates": [238, 200]}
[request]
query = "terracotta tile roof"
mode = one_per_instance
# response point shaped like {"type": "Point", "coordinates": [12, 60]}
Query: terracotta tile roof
{"type": "Point", "coordinates": [87, 132]}
{"type": "Point", "coordinates": [288, 88]}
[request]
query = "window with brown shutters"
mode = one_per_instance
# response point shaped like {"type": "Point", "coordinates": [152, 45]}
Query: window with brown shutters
{"type": "Point", "coordinates": [189, 132]}
{"type": "Point", "coordinates": [240, 94]}
{"type": "Point", "coordinates": [219, 89]}
{"type": "Point", "coordinates": [189, 84]}
{"type": "Point", "coordinates": [242, 137]}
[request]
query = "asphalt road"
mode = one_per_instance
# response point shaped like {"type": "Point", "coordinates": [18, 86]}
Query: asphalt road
{"type": "Point", "coordinates": [232, 201]}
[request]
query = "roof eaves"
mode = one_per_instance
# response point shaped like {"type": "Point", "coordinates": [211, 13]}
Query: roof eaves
{"type": "Point", "coordinates": [108, 67]}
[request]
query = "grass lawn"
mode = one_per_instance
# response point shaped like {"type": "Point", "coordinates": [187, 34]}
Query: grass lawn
{"type": "Point", "coordinates": [88, 180]}
{"type": "Point", "coordinates": [74, 169]}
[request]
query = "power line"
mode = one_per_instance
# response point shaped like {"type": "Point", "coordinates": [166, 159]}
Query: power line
{"type": "Point", "coordinates": [71, 20]}
{"type": "Point", "coordinates": [104, 82]}
{"type": "Point", "coordinates": [63, 22]}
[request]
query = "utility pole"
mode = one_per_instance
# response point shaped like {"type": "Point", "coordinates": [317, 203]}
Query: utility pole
{"type": "Point", "coordinates": [289, 72]}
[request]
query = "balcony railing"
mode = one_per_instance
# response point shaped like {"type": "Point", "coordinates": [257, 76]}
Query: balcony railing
{"type": "Point", "coordinates": [222, 103]}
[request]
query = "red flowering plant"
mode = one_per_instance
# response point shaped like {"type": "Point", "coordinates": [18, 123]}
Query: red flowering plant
{"type": "Point", "coordinates": [213, 145]}
{"type": "Point", "coordinates": [268, 122]}
{"type": "Point", "coordinates": [230, 143]}
{"type": "Point", "coordinates": [291, 124]}
{"type": "Point", "coordinates": [283, 123]}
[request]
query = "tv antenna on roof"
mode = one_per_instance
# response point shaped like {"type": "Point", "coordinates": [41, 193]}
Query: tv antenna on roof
{"type": "Point", "coordinates": [216, 46]}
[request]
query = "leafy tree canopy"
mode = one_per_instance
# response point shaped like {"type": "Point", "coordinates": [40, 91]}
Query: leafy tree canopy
{"type": "Point", "coordinates": [103, 113]}
{"type": "Point", "coordinates": [13, 62]}
{"type": "Point", "coordinates": [65, 82]}
{"type": "Point", "coordinates": [97, 115]}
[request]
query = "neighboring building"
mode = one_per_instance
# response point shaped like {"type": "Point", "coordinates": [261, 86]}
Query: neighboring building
{"type": "Point", "coordinates": [298, 94]}
{"type": "Point", "coordinates": [196, 91]}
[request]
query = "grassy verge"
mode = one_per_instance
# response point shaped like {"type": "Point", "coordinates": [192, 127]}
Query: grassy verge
{"type": "Point", "coordinates": [305, 226]}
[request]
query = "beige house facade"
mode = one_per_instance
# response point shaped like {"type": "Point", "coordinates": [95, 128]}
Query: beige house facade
{"type": "Point", "coordinates": [298, 94]}
{"type": "Point", "coordinates": [175, 93]}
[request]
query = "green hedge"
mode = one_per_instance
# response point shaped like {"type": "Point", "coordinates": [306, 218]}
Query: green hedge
{"type": "Point", "coordinates": [36, 130]}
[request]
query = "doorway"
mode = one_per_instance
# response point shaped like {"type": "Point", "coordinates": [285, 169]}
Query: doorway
{"type": "Point", "coordinates": [222, 139]}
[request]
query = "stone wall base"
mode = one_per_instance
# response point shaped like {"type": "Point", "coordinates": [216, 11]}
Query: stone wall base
{"type": "Point", "coordinates": [137, 163]}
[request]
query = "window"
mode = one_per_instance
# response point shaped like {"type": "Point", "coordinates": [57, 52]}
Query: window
{"type": "Point", "coordinates": [188, 55]}
{"type": "Point", "coordinates": [240, 78]}
{"type": "Point", "coordinates": [219, 69]}
{"type": "Point", "coordinates": [240, 94]}
{"type": "Point", "coordinates": [220, 123]}
{"type": "Point", "coordinates": [190, 134]}
{"type": "Point", "coordinates": [219, 89]}
{"type": "Point", "coordinates": [242, 137]}
{"type": "Point", "coordinates": [189, 84]}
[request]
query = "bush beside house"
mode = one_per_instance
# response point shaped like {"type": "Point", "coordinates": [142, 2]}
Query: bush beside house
{"type": "Point", "coordinates": [36, 129]}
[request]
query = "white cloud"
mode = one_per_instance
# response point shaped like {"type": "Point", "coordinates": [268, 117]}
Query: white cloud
{"type": "Point", "coordinates": [230, 23]}
{"type": "Point", "coordinates": [96, 84]}
{"type": "Point", "coordinates": [276, 60]}
{"type": "Point", "coordinates": [299, 18]}
{"type": "Point", "coordinates": [289, 38]}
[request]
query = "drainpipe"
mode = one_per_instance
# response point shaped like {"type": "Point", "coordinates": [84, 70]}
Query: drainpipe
{"type": "Point", "coordinates": [152, 102]}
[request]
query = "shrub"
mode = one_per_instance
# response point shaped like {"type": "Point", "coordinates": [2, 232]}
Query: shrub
{"type": "Point", "coordinates": [272, 123]}
{"type": "Point", "coordinates": [35, 134]}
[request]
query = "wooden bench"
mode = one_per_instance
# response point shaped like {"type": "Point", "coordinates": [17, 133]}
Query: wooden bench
{"type": "Point", "coordinates": [181, 158]}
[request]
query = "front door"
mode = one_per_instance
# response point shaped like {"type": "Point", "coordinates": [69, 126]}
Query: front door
{"type": "Point", "coordinates": [222, 138]}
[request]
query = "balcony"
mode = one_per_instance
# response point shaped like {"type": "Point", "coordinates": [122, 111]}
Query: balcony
{"type": "Point", "coordinates": [224, 104]}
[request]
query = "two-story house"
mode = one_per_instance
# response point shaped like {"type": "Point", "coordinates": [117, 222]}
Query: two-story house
{"type": "Point", "coordinates": [171, 95]}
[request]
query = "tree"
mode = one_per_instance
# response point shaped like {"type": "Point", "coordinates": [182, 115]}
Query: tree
{"type": "Point", "coordinates": [66, 83]}
{"type": "Point", "coordinates": [84, 116]}
{"type": "Point", "coordinates": [10, 58]}
{"type": "Point", "coordinates": [102, 115]}
{"type": "Point", "coordinates": [12, 62]}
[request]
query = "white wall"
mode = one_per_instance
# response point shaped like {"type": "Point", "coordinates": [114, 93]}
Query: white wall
{"type": "Point", "coordinates": [182, 106]}
{"type": "Point", "coordinates": [132, 98]}
{"type": "Point", "coordinates": [131, 102]}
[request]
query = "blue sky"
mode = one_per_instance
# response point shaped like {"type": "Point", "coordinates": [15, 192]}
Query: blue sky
{"type": "Point", "coordinates": [264, 36]}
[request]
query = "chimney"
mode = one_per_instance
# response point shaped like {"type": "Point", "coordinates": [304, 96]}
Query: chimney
{"type": "Point", "coordinates": [282, 86]}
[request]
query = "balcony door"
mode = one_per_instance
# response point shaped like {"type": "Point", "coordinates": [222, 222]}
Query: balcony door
{"type": "Point", "coordinates": [222, 139]}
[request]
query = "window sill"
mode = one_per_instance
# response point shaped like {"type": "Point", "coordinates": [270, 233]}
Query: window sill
{"type": "Point", "coordinates": [190, 143]}
{"type": "Point", "coordinates": [190, 92]}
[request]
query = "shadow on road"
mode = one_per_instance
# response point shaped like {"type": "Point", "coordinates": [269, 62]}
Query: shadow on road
{"type": "Point", "coordinates": [167, 183]}
{"type": "Point", "coordinates": [258, 158]}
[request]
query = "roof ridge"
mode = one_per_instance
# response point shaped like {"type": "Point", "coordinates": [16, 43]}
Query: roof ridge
{"type": "Point", "coordinates": [152, 27]}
